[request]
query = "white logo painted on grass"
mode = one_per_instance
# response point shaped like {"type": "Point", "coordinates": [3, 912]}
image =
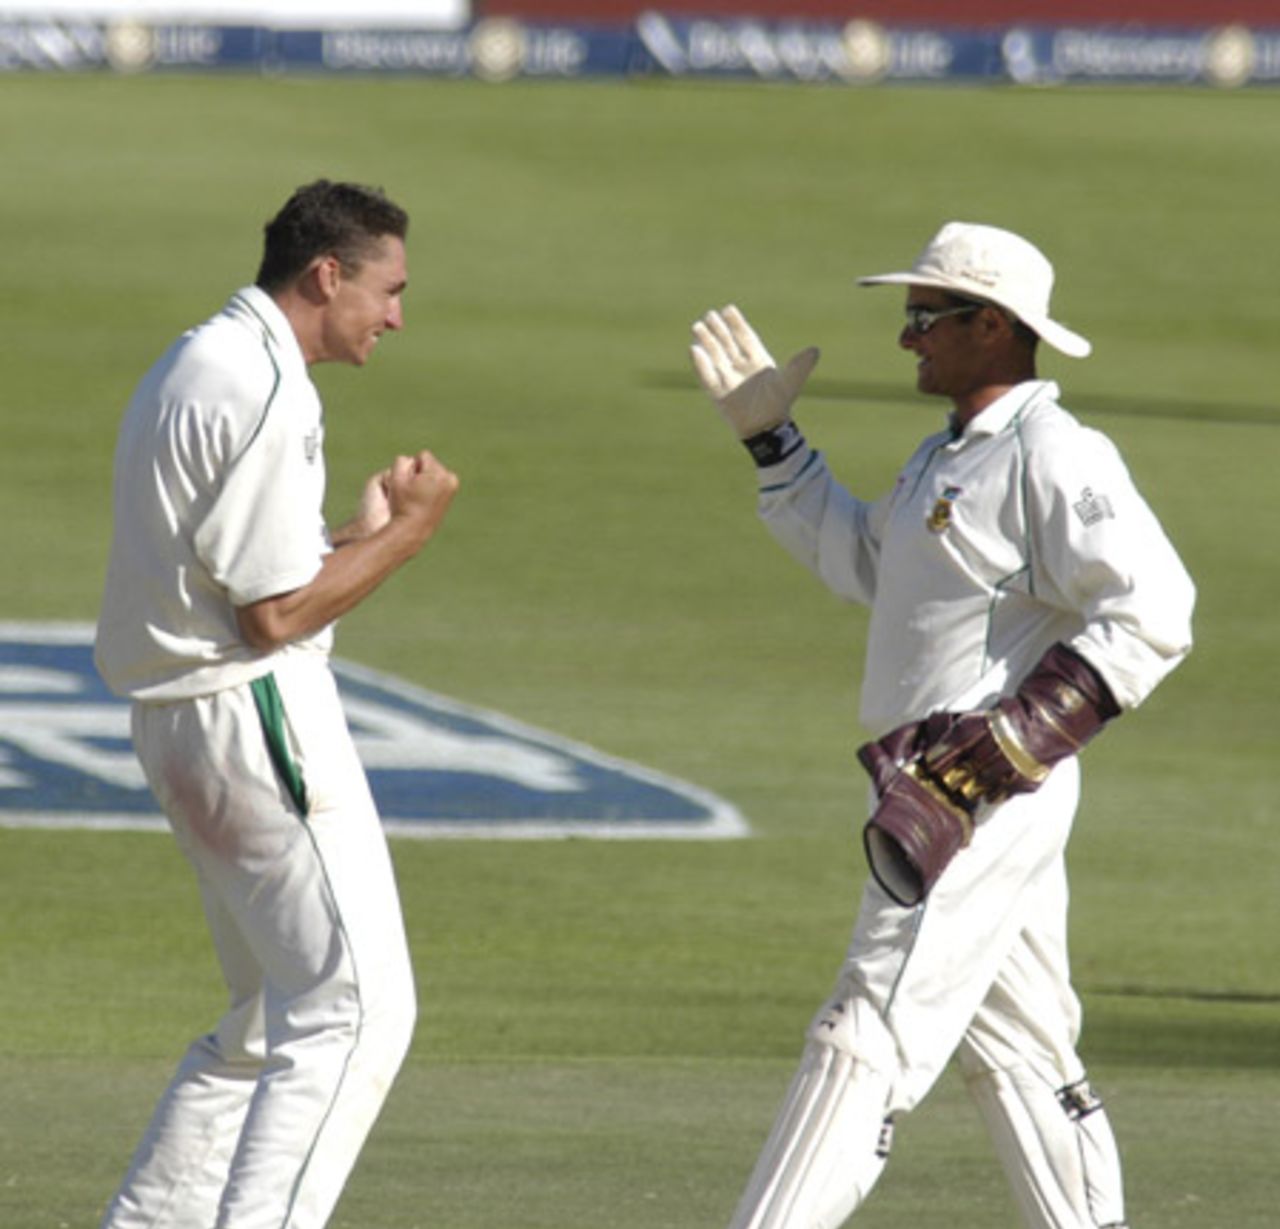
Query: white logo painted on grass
{"type": "Point", "coordinates": [436, 767]}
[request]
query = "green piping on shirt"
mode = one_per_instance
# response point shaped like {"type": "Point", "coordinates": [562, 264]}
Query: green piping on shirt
{"type": "Point", "coordinates": [1024, 493]}
{"type": "Point", "coordinates": [268, 338]}
{"type": "Point", "coordinates": [1028, 554]}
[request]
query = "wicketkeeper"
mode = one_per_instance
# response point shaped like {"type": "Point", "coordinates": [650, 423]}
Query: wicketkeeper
{"type": "Point", "coordinates": [1022, 595]}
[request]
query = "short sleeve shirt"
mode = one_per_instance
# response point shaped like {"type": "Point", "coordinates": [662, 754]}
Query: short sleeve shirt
{"type": "Point", "coordinates": [218, 503]}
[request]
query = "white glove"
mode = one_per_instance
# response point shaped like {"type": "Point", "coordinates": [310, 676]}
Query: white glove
{"type": "Point", "coordinates": [740, 375]}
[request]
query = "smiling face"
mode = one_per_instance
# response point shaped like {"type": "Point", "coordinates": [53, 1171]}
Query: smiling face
{"type": "Point", "coordinates": [970, 357]}
{"type": "Point", "coordinates": [948, 362]}
{"type": "Point", "coordinates": [362, 302]}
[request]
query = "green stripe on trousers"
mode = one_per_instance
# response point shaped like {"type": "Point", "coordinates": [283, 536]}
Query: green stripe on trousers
{"type": "Point", "coordinates": [266, 695]}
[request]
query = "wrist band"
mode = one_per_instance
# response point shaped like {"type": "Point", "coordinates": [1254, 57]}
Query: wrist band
{"type": "Point", "coordinates": [774, 445]}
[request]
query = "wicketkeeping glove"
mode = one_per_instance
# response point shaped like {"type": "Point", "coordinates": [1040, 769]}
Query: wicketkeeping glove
{"type": "Point", "coordinates": [932, 775]}
{"type": "Point", "coordinates": [740, 376]}
{"type": "Point", "coordinates": [1010, 748]}
{"type": "Point", "coordinates": [916, 828]}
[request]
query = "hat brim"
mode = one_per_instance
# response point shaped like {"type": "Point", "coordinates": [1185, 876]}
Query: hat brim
{"type": "Point", "coordinates": [1057, 335]}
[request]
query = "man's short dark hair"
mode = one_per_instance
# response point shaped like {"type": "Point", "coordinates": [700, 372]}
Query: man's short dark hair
{"type": "Point", "coordinates": [323, 218]}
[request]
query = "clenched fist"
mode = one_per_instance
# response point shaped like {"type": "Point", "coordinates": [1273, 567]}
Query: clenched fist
{"type": "Point", "coordinates": [419, 490]}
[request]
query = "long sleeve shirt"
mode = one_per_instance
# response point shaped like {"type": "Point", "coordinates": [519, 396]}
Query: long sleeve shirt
{"type": "Point", "coordinates": [1023, 530]}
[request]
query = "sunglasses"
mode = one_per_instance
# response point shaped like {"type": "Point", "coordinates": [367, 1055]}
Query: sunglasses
{"type": "Point", "coordinates": [921, 319]}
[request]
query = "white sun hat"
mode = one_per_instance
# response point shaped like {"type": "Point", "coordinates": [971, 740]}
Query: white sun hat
{"type": "Point", "coordinates": [996, 266]}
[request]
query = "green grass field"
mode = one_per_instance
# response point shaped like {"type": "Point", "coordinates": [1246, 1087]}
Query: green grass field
{"type": "Point", "coordinates": [607, 1027]}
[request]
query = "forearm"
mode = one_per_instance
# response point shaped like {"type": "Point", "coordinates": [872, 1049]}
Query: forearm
{"type": "Point", "coordinates": [820, 524]}
{"type": "Point", "coordinates": [348, 575]}
{"type": "Point", "coordinates": [400, 510]}
{"type": "Point", "coordinates": [353, 531]}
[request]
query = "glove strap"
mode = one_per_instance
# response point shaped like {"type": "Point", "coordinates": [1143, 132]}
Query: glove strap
{"type": "Point", "coordinates": [962, 813]}
{"type": "Point", "coordinates": [986, 756]}
{"type": "Point", "coordinates": [774, 445]}
{"type": "Point", "coordinates": [1012, 748]}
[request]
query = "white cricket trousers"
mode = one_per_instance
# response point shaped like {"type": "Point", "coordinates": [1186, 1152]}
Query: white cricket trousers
{"type": "Point", "coordinates": [266, 1115]}
{"type": "Point", "coordinates": [979, 973]}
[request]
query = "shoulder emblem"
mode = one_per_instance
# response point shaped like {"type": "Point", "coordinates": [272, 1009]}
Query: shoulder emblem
{"type": "Point", "coordinates": [1092, 507]}
{"type": "Point", "coordinates": [311, 445]}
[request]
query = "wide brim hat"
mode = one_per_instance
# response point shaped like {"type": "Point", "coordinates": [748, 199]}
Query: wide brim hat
{"type": "Point", "coordinates": [994, 266]}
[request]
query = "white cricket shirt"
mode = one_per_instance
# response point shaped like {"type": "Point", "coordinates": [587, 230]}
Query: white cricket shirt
{"type": "Point", "coordinates": [218, 497]}
{"type": "Point", "coordinates": [1024, 530]}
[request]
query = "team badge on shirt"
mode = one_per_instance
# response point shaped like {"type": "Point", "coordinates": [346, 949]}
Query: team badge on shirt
{"type": "Point", "coordinates": [311, 445]}
{"type": "Point", "coordinates": [1092, 508]}
{"type": "Point", "coordinates": [940, 517]}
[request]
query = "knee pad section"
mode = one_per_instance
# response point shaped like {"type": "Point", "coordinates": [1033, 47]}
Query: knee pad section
{"type": "Point", "coordinates": [854, 1028]}
{"type": "Point", "coordinates": [830, 1137]}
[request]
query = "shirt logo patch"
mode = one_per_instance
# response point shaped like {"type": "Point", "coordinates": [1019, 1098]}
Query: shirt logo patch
{"type": "Point", "coordinates": [940, 518]}
{"type": "Point", "coordinates": [311, 445]}
{"type": "Point", "coordinates": [1092, 508]}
